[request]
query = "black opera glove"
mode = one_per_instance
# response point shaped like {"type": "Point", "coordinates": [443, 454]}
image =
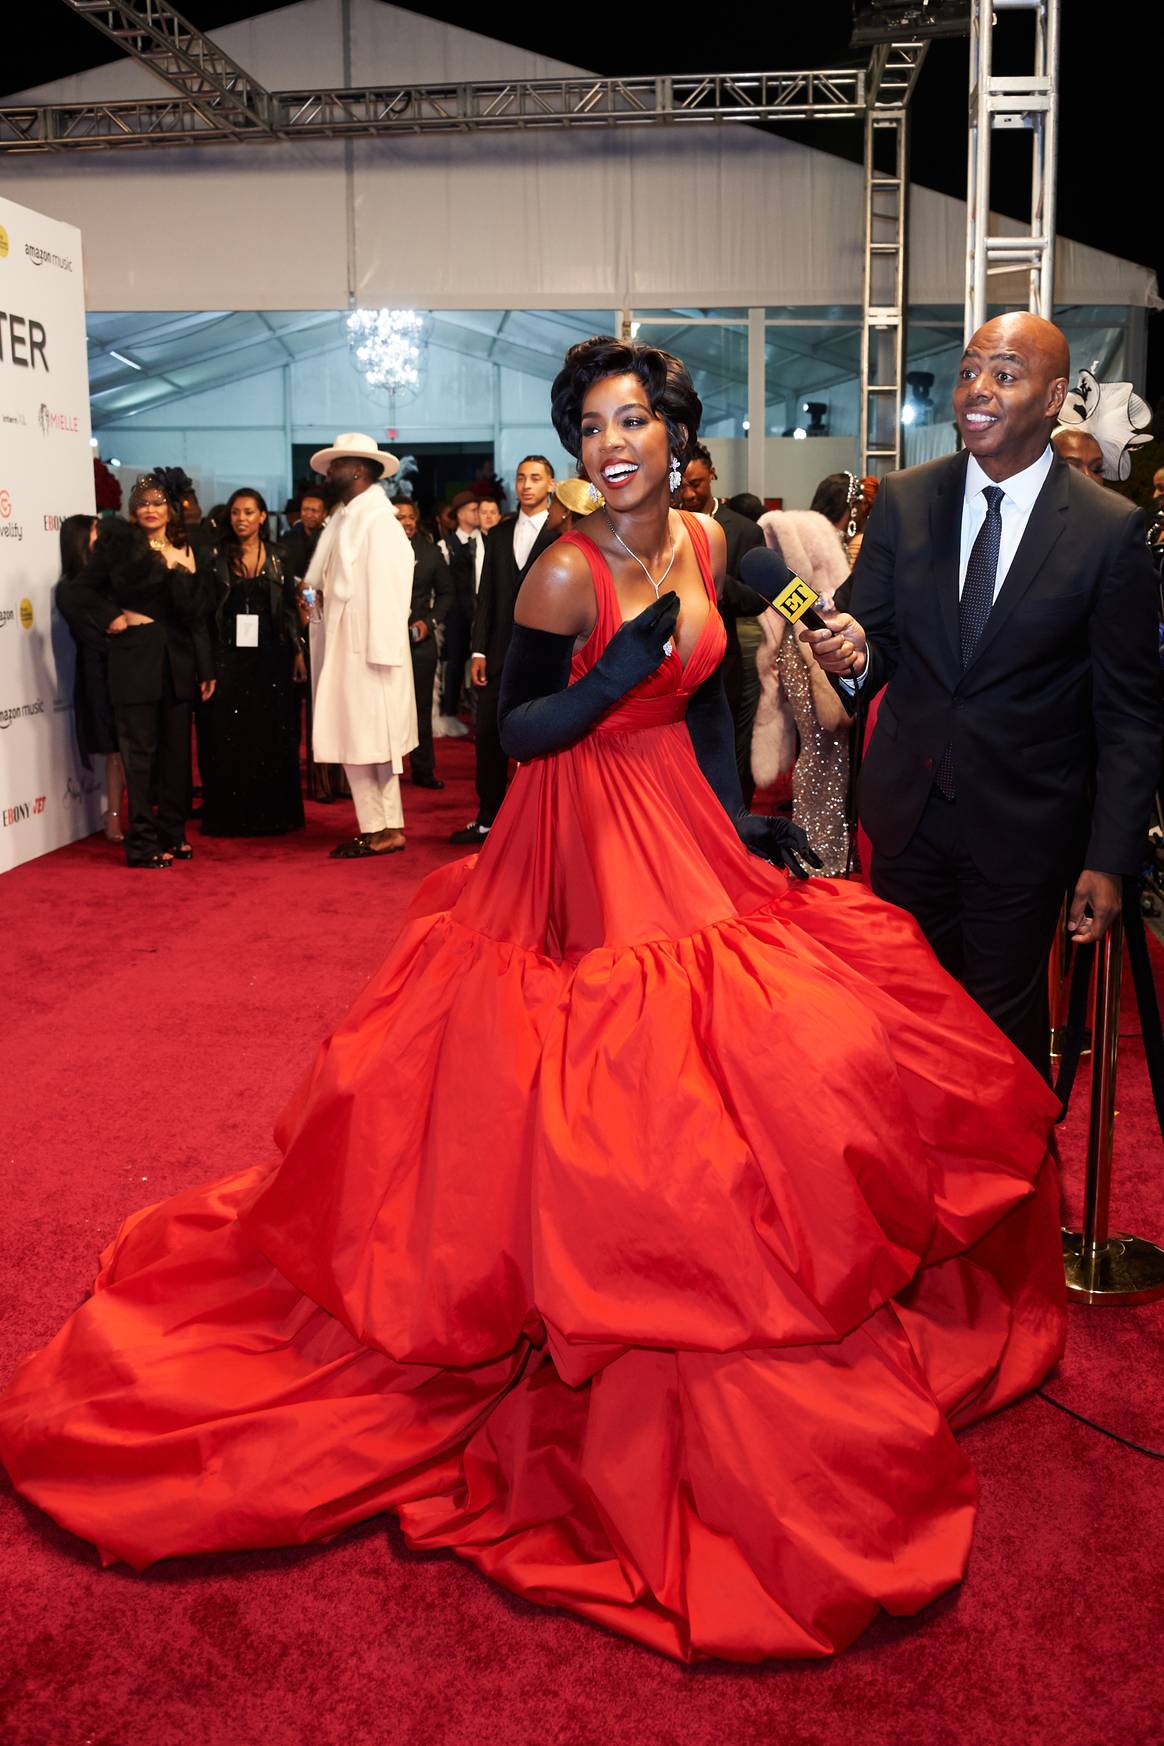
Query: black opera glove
{"type": "Point", "coordinates": [539, 711]}
{"type": "Point", "coordinates": [778, 840]}
{"type": "Point", "coordinates": [709, 723]}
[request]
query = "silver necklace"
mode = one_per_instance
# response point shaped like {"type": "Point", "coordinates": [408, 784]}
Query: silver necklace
{"type": "Point", "coordinates": [669, 644]}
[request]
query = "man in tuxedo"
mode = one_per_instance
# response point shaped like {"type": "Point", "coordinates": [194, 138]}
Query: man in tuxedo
{"type": "Point", "coordinates": [432, 596]}
{"type": "Point", "coordinates": [740, 606]}
{"type": "Point", "coordinates": [510, 549]}
{"type": "Point", "coordinates": [1007, 605]}
{"type": "Point", "coordinates": [463, 549]}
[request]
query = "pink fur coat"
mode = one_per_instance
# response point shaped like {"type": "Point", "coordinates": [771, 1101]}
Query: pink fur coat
{"type": "Point", "coordinates": [811, 549]}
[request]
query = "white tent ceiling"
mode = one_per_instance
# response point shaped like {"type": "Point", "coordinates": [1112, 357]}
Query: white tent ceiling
{"type": "Point", "coordinates": [602, 218]}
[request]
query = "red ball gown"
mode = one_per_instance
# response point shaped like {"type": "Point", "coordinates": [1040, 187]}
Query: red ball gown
{"type": "Point", "coordinates": [643, 1234]}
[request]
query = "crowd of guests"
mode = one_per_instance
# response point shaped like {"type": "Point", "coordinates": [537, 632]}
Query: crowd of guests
{"type": "Point", "coordinates": [179, 615]}
{"type": "Point", "coordinates": [182, 618]}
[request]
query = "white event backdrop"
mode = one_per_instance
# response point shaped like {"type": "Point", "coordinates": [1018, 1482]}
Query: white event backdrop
{"type": "Point", "coordinates": [46, 473]}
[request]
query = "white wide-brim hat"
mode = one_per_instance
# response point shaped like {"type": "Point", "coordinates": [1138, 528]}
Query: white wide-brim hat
{"type": "Point", "coordinates": [354, 445]}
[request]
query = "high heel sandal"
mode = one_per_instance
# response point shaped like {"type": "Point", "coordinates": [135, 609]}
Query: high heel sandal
{"type": "Point", "coordinates": [116, 835]}
{"type": "Point", "coordinates": [183, 852]}
{"type": "Point", "coordinates": [155, 863]}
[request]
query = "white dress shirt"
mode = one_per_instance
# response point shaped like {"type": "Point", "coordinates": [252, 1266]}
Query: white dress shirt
{"type": "Point", "coordinates": [525, 532]}
{"type": "Point", "coordinates": [1018, 499]}
{"type": "Point", "coordinates": [1019, 494]}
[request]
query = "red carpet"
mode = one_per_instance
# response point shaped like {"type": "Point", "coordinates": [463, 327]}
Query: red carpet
{"type": "Point", "coordinates": [153, 1028]}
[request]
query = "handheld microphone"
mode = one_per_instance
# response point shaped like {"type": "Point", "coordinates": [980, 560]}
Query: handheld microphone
{"type": "Point", "coordinates": [794, 599]}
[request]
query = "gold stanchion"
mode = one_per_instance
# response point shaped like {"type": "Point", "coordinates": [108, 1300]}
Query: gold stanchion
{"type": "Point", "coordinates": [1103, 1267]}
{"type": "Point", "coordinates": [1059, 966]}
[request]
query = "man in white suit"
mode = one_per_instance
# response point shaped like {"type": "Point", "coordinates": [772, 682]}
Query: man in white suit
{"type": "Point", "coordinates": [364, 707]}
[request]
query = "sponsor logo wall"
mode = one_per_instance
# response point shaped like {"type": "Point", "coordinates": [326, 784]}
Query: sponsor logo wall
{"type": "Point", "coordinates": [46, 472]}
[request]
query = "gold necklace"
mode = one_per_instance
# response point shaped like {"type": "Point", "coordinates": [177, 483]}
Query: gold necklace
{"type": "Point", "coordinates": [158, 543]}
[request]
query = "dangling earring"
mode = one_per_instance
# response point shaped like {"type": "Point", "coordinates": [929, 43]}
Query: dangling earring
{"type": "Point", "coordinates": [675, 475]}
{"type": "Point", "coordinates": [850, 532]}
{"type": "Point", "coordinates": [595, 494]}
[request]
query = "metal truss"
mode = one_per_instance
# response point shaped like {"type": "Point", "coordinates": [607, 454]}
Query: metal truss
{"type": "Point", "coordinates": [1027, 101]}
{"type": "Point", "coordinates": [216, 91]}
{"type": "Point", "coordinates": [228, 110]}
{"type": "Point", "coordinates": [893, 73]}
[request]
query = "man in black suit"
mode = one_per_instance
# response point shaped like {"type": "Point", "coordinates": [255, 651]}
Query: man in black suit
{"type": "Point", "coordinates": [463, 550]}
{"type": "Point", "coordinates": [1007, 604]}
{"type": "Point", "coordinates": [510, 549]}
{"type": "Point", "coordinates": [298, 544]}
{"type": "Point", "coordinates": [740, 606]}
{"type": "Point", "coordinates": [432, 596]}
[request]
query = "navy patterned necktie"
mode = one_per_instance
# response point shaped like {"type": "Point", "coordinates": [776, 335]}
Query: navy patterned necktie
{"type": "Point", "coordinates": [981, 571]}
{"type": "Point", "coordinates": [974, 607]}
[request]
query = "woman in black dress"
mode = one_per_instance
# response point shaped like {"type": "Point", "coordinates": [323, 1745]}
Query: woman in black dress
{"type": "Point", "coordinates": [93, 721]}
{"type": "Point", "coordinates": [140, 591]}
{"type": "Point", "coordinates": [251, 782]}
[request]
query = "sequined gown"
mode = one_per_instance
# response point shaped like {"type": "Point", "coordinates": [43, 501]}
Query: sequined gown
{"type": "Point", "coordinates": [821, 779]}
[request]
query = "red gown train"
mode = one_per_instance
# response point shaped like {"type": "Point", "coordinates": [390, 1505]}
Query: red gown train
{"type": "Point", "coordinates": [641, 1235]}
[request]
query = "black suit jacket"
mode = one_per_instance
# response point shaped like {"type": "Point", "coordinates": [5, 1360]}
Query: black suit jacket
{"type": "Point", "coordinates": [461, 559]}
{"type": "Point", "coordinates": [1055, 722]}
{"type": "Point", "coordinates": [296, 549]}
{"type": "Point", "coordinates": [432, 586]}
{"type": "Point", "coordinates": [497, 595]}
{"type": "Point", "coordinates": [122, 572]}
{"type": "Point", "coordinates": [737, 600]}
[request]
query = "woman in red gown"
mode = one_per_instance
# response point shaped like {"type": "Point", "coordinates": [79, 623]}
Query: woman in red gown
{"type": "Point", "coordinates": [649, 1225]}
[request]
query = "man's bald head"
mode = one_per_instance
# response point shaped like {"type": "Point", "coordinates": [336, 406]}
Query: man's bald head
{"type": "Point", "coordinates": [1012, 381]}
{"type": "Point", "coordinates": [1031, 335]}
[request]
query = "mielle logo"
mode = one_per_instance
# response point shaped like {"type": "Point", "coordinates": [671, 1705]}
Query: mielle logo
{"type": "Point", "coordinates": [5, 505]}
{"type": "Point", "coordinates": [13, 815]}
{"type": "Point", "coordinates": [52, 422]}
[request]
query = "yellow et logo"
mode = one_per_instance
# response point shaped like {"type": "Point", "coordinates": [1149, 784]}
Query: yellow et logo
{"type": "Point", "coordinates": [26, 615]}
{"type": "Point", "coordinates": [794, 601]}
{"type": "Point", "coordinates": [3, 243]}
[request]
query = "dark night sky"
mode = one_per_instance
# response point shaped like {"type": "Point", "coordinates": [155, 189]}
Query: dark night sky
{"type": "Point", "coordinates": [1105, 166]}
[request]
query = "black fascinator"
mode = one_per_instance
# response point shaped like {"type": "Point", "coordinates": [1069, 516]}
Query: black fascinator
{"type": "Point", "coordinates": [175, 482]}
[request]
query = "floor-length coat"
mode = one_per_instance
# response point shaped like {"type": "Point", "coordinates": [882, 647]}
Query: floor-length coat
{"type": "Point", "coordinates": [364, 704]}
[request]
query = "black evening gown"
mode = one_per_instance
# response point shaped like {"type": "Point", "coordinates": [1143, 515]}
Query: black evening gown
{"type": "Point", "coordinates": [251, 781]}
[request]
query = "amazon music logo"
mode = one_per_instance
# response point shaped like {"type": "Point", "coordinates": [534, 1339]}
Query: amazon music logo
{"type": "Point", "coordinates": [14, 711]}
{"type": "Point", "coordinates": [45, 258]}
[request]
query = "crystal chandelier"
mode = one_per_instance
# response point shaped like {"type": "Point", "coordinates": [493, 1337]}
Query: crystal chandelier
{"type": "Point", "coordinates": [390, 349]}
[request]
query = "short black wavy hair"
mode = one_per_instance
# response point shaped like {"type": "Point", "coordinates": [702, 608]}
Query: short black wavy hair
{"type": "Point", "coordinates": [665, 378]}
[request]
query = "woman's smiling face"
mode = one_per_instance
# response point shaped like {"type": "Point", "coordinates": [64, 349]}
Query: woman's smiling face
{"type": "Point", "coordinates": [625, 448]}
